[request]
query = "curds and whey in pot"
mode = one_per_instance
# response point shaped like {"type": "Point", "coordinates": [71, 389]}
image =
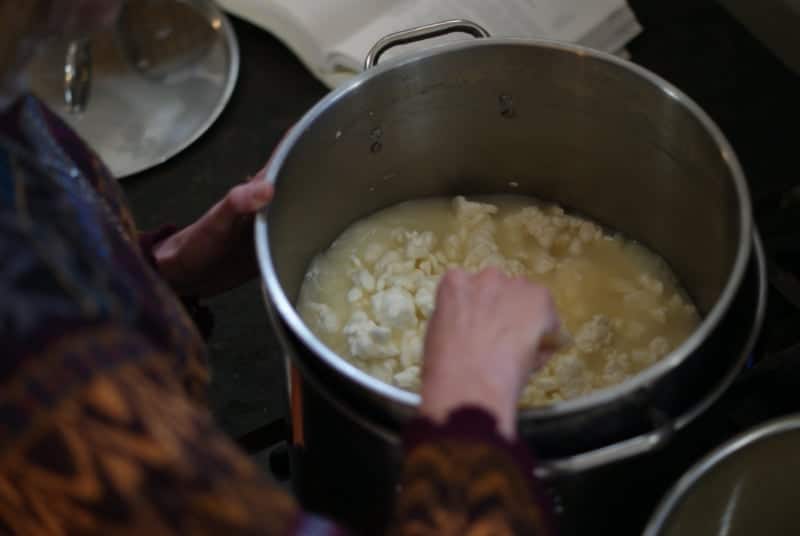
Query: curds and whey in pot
{"type": "Point", "coordinates": [370, 295]}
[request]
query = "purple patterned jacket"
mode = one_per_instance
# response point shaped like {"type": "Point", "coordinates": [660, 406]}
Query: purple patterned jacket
{"type": "Point", "coordinates": [103, 423]}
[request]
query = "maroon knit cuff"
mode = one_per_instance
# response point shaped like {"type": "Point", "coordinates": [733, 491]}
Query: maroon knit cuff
{"type": "Point", "coordinates": [475, 425]}
{"type": "Point", "coordinates": [149, 239]}
{"type": "Point", "coordinates": [469, 423]}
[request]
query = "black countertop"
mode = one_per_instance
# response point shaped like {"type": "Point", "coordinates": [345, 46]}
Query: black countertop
{"type": "Point", "coordinates": [273, 91]}
{"type": "Point", "coordinates": [694, 44]}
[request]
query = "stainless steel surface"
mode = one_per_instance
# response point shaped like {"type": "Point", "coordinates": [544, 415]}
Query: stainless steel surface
{"type": "Point", "coordinates": [590, 131]}
{"type": "Point", "coordinates": [164, 41]}
{"type": "Point", "coordinates": [746, 486]}
{"type": "Point", "coordinates": [133, 121]}
{"type": "Point", "coordinates": [78, 75]}
{"type": "Point", "coordinates": [623, 450]}
{"type": "Point", "coordinates": [422, 33]}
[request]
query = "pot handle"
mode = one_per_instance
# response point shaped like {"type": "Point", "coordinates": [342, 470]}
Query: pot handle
{"type": "Point", "coordinates": [603, 456]}
{"type": "Point", "coordinates": [421, 33]}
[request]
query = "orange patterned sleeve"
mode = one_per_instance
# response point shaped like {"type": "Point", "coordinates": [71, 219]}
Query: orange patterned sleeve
{"type": "Point", "coordinates": [463, 478]}
{"type": "Point", "coordinates": [125, 451]}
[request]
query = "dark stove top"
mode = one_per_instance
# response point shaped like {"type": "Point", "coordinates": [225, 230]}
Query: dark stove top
{"type": "Point", "coordinates": [779, 223]}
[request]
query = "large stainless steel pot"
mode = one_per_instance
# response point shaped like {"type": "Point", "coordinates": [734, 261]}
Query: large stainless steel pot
{"type": "Point", "coordinates": [746, 486]}
{"type": "Point", "coordinates": [587, 130]}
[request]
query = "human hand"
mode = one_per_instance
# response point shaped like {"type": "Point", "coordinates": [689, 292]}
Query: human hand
{"type": "Point", "coordinates": [216, 252]}
{"type": "Point", "coordinates": [487, 334]}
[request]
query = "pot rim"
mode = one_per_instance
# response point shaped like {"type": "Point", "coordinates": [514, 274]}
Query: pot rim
{"type": "Point", "coordinates": [603, 396]}
{"type": "Point", "coordinates": [667, 505]}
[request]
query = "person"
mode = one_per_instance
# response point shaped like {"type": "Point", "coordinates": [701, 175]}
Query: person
{"type": "Point", "coordinates": [103, 422]}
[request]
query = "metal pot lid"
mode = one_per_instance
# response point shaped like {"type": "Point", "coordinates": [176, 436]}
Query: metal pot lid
{"type": "Point", "coordinates": [159, 80]}
{"type": "Point", "coordinates": [747, 486]}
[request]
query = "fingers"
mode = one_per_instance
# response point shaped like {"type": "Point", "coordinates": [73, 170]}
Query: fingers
{"type": "Point", "coordinates": [487, 279]}
{"type": "Point", "coordinates": [551, 337]}
{"type": "Point", "coordinates": [453, 279]}
{"type": "Point", "coordinates": [550, 326]}
{"type": "Point", "coordinates": [249, 198]}
{"type": "Point", "coordinates": [452, 284]}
